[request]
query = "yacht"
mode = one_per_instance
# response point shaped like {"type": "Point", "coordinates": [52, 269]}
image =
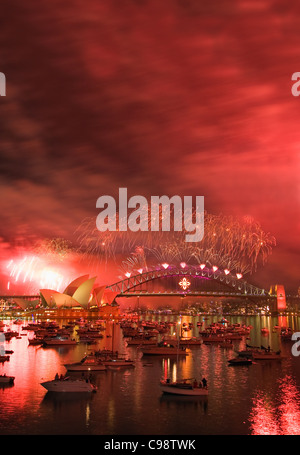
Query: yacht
{"type": "Point", "coordinates": [88, 363]}
{"type": "Point", "coordinates": [4, 379]}
{"type": "Point", "coordinates": [266, 355]}
{"type": "Point", "coordinates": [59, 341]}
{"type": "Point", "coordinates": [183, 387]}
{"type": "Point", "coordinates": [69, 385]}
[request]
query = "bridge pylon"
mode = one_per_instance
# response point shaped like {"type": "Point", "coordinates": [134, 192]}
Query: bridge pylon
{"type": "Point", "coordinates": [279, 291]}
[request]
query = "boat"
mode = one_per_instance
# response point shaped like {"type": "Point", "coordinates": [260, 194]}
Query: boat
{"type": "Point", "coordinates": [245, 353]}
{"type": "Point", "coordinates": [141, 341]}
{"type": "Point", "coordinates": [240, 361]}
{"type": "Point", "coordinates": [35, 341]}
{"type": "Point", "coordinates": [59, 341]}
{"type": "Point", "coordinates": [183, 387]}
{"type": "Point", "coordinates": [88, 363]}
{"type": "Point", "coordinates": [266, 355]}
{"type": "Point", "coordinates": [68, 384]}
{"type": "Point", "coordinates": [163, 348]}
{"type": "Point", "coordinates": [193, 341]}
{"type": "Point", "coordinates": [115, 363]}
{"type": "Point", "coordinates": [286, 334]}
{"type": "Point", "coordinates": [87, 340]}
{"type": "Point", "coordinates": [4, 379]}
{"type": "Point", "coordinates": [9, 334]}
{"type": "Point", "coordinates": [208, 339]}
{"type": "Point", "coordinates": [4, 358]}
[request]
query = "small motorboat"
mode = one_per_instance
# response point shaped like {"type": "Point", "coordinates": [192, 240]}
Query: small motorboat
{"type": "Point", "coordinates": [4, 358]}
{"type": "Point", "coordinates": [35, 341]}
{"type": "Point", "coordinates": [184, 387]}
{"type": "Point", "coordinates": [193, 341]}
{"type": "Point", "coordinates": [4, 379]}
{"type": "Point", "coordinates": [240, 361]}
{"type": "Point", "coordinates": [88, 363]}
{"type": "Point", "coordinates": [67, 384]}
{"type": "Point", "coordinates": [267, 355]}
{"type": "Point", "coordinates": [59, 341]}
{"type": "Point", "coordinates": [164, 348]}
{"type": "Point", "coordinates": [245, 353]}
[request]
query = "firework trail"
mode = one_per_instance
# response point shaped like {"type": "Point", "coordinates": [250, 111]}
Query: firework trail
{"type": "Point", "coordinates": [239, 245]}
{"type": "Point", "coordinates": [44, 265]}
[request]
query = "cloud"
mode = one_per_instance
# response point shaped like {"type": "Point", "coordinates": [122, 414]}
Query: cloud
{"type": "Point", "coordinates": [165, 97]}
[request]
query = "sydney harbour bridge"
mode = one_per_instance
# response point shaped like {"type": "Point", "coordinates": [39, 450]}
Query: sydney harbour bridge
{"type": "Point", "coordinates": [166, 280]}
{"type": "Point", "coordinates": [194, 281]}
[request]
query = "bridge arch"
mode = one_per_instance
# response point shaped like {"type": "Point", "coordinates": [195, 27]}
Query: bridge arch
{"type": "Point", "coordinates": [235, 286]}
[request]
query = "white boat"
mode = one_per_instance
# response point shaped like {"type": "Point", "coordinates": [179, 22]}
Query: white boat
{"type": "Point", "coordinates": [6, 379]}
{"type": "Point", "coordinates": [183, 387]}
{"type": "Point", "coordinates": [69, 385]}
{"type": "Point", "coordinates": [59, 341]}
{"type": "Point", "coordinates": [88, 363]}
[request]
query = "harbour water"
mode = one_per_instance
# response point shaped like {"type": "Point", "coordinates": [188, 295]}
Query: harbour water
{"type": "Point", "coordinates": [262, 398]}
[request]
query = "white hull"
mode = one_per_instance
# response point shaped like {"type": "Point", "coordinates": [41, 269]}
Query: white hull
{"type": "Point", "coordinates": [174, 389]}
{"type": "Point", "coordinates": [66, 385]}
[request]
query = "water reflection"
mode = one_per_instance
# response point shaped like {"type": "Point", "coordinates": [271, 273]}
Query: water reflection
{"type": "Point", "coordinates": [260, 399]}
{"type": "Point", "coordinates": [279, 416]}
{"type": "Point", "coordinates": [178, 403]}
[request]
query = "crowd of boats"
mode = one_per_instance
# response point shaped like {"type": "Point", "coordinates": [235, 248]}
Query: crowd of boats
{"type": "Point", "coordinates": [151, 338]}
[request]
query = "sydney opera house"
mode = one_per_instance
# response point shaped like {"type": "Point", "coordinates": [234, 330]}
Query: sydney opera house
{"type": "Point", "coordinates": [80, 294]}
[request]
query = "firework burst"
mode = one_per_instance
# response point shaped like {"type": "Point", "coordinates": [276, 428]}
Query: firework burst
{"type": "Point", "coordinates": [239, 245]}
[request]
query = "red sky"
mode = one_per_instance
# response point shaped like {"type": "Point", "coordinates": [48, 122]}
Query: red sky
{"type": "Point", "coordinates": [161, 97]}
